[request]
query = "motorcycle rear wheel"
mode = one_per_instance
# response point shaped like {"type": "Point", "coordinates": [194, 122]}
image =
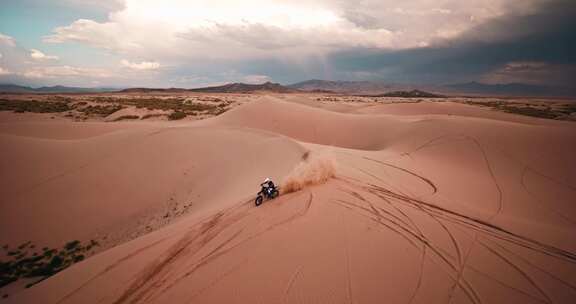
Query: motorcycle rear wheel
{"type": "Point", "coordinates": [274, 194]}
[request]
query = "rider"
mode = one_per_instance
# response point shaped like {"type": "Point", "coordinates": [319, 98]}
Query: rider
{"type": "Point", "coordinates": [268, 186]}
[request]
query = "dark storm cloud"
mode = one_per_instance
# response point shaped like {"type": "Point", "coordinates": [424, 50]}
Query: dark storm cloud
{"type": "Point", "coordinates": [547, 35]}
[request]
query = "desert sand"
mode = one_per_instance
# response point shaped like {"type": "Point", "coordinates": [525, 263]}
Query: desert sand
{"type": "Point", "coordinates": [403, 203]}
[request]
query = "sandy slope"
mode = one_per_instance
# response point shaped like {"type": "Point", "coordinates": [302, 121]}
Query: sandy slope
{"type": "Point", "coordinates": [98, 182]}
{"type": "Point", "coordinates": [423, 208]}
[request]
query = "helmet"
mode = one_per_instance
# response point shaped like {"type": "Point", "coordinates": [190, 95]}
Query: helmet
{"type": "Point", "coordinates": [267, 180]}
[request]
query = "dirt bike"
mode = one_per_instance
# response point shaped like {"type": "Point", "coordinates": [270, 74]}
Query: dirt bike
{"type": "Point", "coordinates": [266, 193]}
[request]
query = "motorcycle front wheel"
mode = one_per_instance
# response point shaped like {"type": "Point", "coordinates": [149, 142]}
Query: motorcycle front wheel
{"type": "Point", "coordinates": [258, 200]}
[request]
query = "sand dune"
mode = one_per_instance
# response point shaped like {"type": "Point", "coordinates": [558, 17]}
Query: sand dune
{"type": "Point", "coordinates": [313, 125]}
{"type": "Point", "coordinates": [98, 183]}
{"type": "Point", "coordinates": [392, 206]}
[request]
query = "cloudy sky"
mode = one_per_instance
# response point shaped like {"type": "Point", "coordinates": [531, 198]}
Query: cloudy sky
{"type": "Point", "coordinates": [191, 43]}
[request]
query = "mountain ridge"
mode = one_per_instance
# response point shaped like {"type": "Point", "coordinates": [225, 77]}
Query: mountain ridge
{"type": "Point", "coordinates": [324, 86]}
{"type": "Point", "coordinates": [512, 89]}
{"type": "Point", "coordinates": [238, 87]}
{"type": "Point", "coordinates": [341, 86]}
{"type": "Point", "coordinates": [14, 88]}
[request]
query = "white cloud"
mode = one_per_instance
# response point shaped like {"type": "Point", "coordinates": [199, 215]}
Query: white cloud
{"type": "Point", "coordinates": [178, 29]}
{"type": "Point", "coordinates": [140, 66]}
{"type": "Point", "coordinates": [64, 71]}
{"type": "Point", "coordinates": [219, 29]}
{"type": "Point", "coordinates": [38, 55]}
{"type": "Point", "coordinates": [184, 30]}
{"type": "Point", "coordinates": [256, 79]}
{"type": "Point", "coordinates": [255, 37]}
{"type": "Point", "coordinates": [191, 80]}
{"type": "Point", "coordinates": [104, 35]}
{"type": "Point", "coordinates": [7, 40]}
{"type": "Point", "coordinates": [271, 37]}
{"type": "Point", "coordinates": [105, 4]}
{"type": "Point", "coordinates": [218, 78]}
{"type": "Point", "coordinates": [520, 66]}
{"type": "Point", "coordinates": [449, 33]}
{"type": "Point", "coordinates": [4, 71]}
{"type": "Point", "coordinates": [31, 66]}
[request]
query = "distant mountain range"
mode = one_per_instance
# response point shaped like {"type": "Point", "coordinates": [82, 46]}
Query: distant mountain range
{"type": "Point", "coordinates": [411, 94]}
{"type": "Point", "coordinates": [153, 90]}
{"type": "Point", "coordinates": [350, 87]}
{"type": "Point", "coordinates": [246, 88]}
{"type": "Point", "coordinates": [227, 88]}
{"type": "Point", "coordinates": [476, 88]}
{"type": "Point", "coordinates": [12, 88]}
{"type": "Point", "coordinates": [509, 89]}
{"type": "Point", "coordinates": [328, 86]}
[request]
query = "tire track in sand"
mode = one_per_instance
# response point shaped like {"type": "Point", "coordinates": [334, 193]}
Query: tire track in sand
{"type": "Point", "coordinates": [221, 251]}
{"type": "Point", "coordinates": [291, 283]}
{"type": "Point", "coordinates": [420, 276]}
{"type": "Point", "coordinates": [493, 176]}
{"type": "Point", "coordinates": [561, 281]}
{"type": "Point", "coordinates": [405, 231]}
{"type": "Point", "coordinates": [109, 268]}
{"type": "Point", "coordinates": [538, 201]}
{"type": "Point", "coordinates": [397, 228]}
{"type": "Point", "coordinates": [347, 256]}
{"type": "Point", "coordinates": [424, 179]}
{"type": "Point", "coordinates": [524, 274]}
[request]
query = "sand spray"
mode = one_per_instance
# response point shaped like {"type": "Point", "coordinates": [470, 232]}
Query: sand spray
{"type": "Point", "coordinates": [315, 168]}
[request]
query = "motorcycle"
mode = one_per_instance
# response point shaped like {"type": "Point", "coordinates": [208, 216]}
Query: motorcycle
{"type": "Point", "coordinates": [268, 193]}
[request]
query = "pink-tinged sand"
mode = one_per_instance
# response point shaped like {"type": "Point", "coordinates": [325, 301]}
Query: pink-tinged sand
{"type": "Point", "coordinates": [425, 207]}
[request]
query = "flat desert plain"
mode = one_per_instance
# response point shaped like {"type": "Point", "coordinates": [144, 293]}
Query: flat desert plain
{"type": "Point", "coordinates": [398, 202]}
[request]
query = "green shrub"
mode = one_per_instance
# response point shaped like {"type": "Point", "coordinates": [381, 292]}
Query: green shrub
{"type": "Point", "coordinates": [523, 109]}
{"type": "Point", "coordinates": [154, 103]}
{"type": "Point", "coordinates": [101, 110]}
{"type": "Point", "coordinates": [127, 117]}
{"type": "Point", "coordinates": [529, 111]}
{"type": "Point", "coordinates": [50, 262]}
{"type": "Point", "coordinates": [176, 115]}
{"type": "Point", "coordinates": [71, 245]}
{"type": "Point", "coordinates": [152, 115]}
{"type": "Point", "coordinates": [33, 106]}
